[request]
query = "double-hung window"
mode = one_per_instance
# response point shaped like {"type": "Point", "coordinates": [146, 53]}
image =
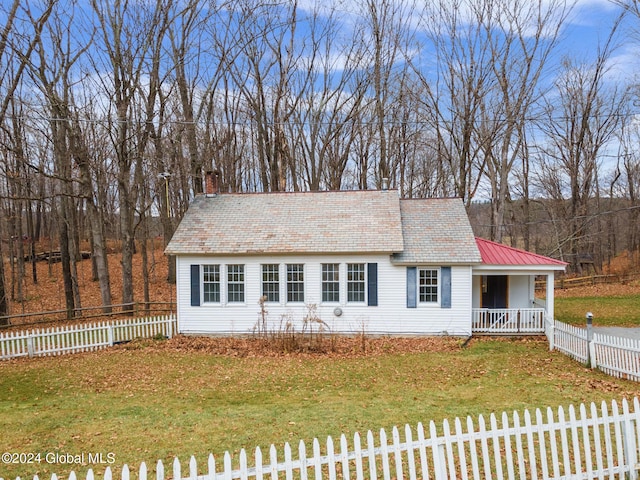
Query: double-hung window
{"type": "Point", "coordinates": [356, 282]}
{"type": "Point", "coordinates": [271, 282]}
{"type": "Point", "coordinates": [295, 282]}
{"type": "Point", "coordinates": [235, 283]}
{"type": "Point", "coordinates": [211, 283]}
{"type": "Point", "coordinates": [330, 282]}
{"type": "Point", "coordinates": [428, 285]}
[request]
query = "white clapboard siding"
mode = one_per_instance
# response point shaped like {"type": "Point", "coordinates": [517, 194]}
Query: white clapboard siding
{"type": "Point", "coordinates": [574, 443]}
{"type": "Point", "coordinates": [82, 337]}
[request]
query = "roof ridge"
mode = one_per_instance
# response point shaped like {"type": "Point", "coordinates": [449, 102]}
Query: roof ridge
{"type": "Point", "coordinates": [304, 192]}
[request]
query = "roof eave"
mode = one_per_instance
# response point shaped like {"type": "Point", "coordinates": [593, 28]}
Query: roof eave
{"type": "Point", "coordinates": [251, 253]}
{"type": "Point", "coordinates": [433, 262]}
{"type": "Point", "coordinates": [533, 267]}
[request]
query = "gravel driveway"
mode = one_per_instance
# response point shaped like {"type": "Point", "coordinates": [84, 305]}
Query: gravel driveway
{"type": "Point", "coordinates": [627, 332]}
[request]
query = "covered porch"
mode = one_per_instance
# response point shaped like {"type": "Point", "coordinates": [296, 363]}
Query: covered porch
{"type": "Point", "coordinates": [504, 290]}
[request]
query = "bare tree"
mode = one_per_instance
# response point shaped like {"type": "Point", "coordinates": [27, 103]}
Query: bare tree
{"type": "Point", "coordinates": [491, 55]}
{"type": "Point", "coordinates": [322, 128]}
{"type": "Point", "coordinates": [528, 34]}
{"type": "Point", "coordinates": [579, 121]}
{"type": "Point", "coordinates": [628, 187]}
{"type": "Point", "coordinates": [53, 72]}
{"type": "Point", "coordinates": [187, 36]}
{"type": "Point", "coordinates": [17, 42]}
{"type": "Point", "coordinates": [132, 39]}
{"type": "Point", "coordinates": [388, 42]}
{"type": "Point", "coordinates": [454, 93]}
{"type": "Point", "coordinates": [261, 58]}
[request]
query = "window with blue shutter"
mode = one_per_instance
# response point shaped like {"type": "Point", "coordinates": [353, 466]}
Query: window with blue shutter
{"type": "Point", "coordinates": [445, 299]}
{"type": "Point", "coordinates": [372, 284]}
{"type": "Point", "coordinates": [195, 285]}
{"type": "Point", "coordinates": [412, 299]}
{"type": "Point", "coordinates": [428, 286]}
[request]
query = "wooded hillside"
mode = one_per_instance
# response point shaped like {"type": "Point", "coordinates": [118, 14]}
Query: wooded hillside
{"type": "Point", "coordinates": [112, 111]}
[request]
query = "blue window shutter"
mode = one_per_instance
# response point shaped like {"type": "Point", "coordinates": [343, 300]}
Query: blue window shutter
{"type": "Point", "coordinates": [195, 285]}
{"type": "Point", "coordinates": [372, 284]}
{"type": "Point", "coordinates": [445, 299]}
{"type": "Point", "coordinates": [412, 286]}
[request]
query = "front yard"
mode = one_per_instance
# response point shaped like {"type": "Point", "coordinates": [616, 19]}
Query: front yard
{"type": "Point", "coordinates": [159, 399]}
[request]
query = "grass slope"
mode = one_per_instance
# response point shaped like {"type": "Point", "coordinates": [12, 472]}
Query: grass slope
{"type": "Point", "coordinates": [616, 310]}
{"type": "Point", "coordinates": [155, 400]}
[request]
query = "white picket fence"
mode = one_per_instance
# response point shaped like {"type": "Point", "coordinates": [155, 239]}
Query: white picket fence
{"type": "Point", "coordinates": [570, 340]}
{"type": "Point", "coordinates": [83, 337]}
{"type": "Point", "coordinates": [616, 356]}
{"type": "Point", "coordinates": [583, 443]}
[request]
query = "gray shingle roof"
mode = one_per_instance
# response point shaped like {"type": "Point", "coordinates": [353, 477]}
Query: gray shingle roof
{"type": "Point", "coordinates": [428, 231]}
{"type": "Point", "coordinates": [320, 222]}
{"type": "Point", "coordinates": [436, 230]}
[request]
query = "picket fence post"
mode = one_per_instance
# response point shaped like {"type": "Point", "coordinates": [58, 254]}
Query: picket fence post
{"type": "Point", "coordinates": [159, 470]}
{"type": "Point", "coordinates": [551, 333]}
{"type": "Point", "coordinates": [593, 361]}
{"type": "Point", "coordinates": [170, 323]}
{"type": "Point", "coordinates": [30, 347]}
{"type": "Point", "coordinates": [176, 469]}
{"type": "Point", "coordinates": [110, 334]}
{"type": "Point", "coordinates": [629, 442]}
{"type": "Point", "coordinates": [438, 452]}
{"type": "Point", "coordinates": [142, 471]}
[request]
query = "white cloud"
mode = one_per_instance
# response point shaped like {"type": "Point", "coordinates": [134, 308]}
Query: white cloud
{"type": "Point", "coordinates": [624, 65]}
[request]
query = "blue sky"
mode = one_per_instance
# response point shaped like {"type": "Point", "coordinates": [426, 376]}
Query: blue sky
{"type": "Point", "coordinates": [589, 26]}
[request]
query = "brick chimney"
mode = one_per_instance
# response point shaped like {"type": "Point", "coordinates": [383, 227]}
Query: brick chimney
{"type": "Point", "coordinates": [211, 183]}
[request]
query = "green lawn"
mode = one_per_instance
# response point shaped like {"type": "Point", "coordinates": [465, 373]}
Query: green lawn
{"type": "Point", "coordinates": [623, 310]}
{"type": "Point", "coordinates": [150, 403]}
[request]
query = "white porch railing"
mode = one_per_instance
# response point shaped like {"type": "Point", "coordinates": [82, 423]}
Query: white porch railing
{"type": "Point", "coordinates": [508, 320]}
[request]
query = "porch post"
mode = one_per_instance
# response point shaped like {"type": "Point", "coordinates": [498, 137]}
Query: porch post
{"type": "Point", "coordinates": [550, 284]}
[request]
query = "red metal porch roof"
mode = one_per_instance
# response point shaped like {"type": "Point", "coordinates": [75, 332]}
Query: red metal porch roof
{"type": "Point", "coordinates": [493, 253]}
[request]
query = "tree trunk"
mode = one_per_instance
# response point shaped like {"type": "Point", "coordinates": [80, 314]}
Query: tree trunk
{"type": "Point", "coordinates": [145, 264]}
{"type": "Point", "coordinates": [126, 232]}
{"type": "Point", "coordinates": [65, 259]}
{"type": "Point", "coordinates": [4, 302]}
{"type": "Point", "coordinates": [98, 247]}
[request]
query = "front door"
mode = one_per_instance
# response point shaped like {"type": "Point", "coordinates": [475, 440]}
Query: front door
{"type": "Point", "coordinates": [494, 291]}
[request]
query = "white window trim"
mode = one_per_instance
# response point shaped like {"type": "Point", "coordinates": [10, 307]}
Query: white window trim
{"type": "Point", "coordinates": [346, 284]}
{"type": "Point", "coordinates": [280, 277]}
{"type": "Point", "coordinates": [435, 304]}
{"type": "Point", "coordinates": [304, 284]}
{"type": "Point", "coordinates": [340, 277]}
{"type": "Point", "coordinates": [220, 283]}
{"type": "Point", "coordinates": [226, 286]}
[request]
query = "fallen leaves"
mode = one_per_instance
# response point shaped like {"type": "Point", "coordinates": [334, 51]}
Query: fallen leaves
{"type": "Point", "coordinates": [335, 346]}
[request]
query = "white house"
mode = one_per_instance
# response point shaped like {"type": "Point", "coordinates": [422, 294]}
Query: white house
{"type": "Point", "coordinates": [361, 261]}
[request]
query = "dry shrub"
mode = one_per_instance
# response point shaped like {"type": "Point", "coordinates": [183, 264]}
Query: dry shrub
{"type": "Point", "coordinates": [340, 346]}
